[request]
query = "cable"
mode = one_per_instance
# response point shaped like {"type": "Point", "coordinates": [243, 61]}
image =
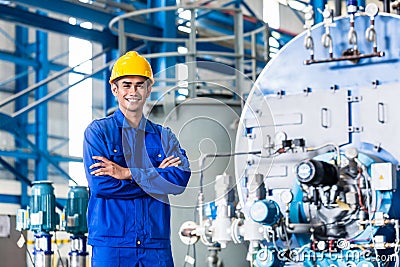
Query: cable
{"type": "Point", "coordinates": [194, 247]}
{"type": "Point", "coordinates": [336, 147]}
{"type": "Point", "coordinates": [360, 200]}
{"type": "Point", "coordinates": [30, 256]}
{"type": "Point", "coordinates": [366, 176]}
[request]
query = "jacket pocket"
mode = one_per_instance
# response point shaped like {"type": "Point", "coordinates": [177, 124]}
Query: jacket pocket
{"type": "Point", "coordinates": [159, 219]}
{"type": "Point", "coordinates": [155, 156]}
{"type": "Point", "coordinates": [107, 217]}
{"type": "Point", "coordinates": [118, 154]}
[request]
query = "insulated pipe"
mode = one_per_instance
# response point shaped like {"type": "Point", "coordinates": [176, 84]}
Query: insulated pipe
{"type": "Point", "coordinates": [386, 6]}
{"type": "Point", "coordinates": [338, 8]}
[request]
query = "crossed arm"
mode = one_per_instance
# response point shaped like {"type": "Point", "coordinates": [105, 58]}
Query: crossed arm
{"type": "Point", "coordinates": [108, 179]}
{"type": "Point", "coordinates": [110, 168]}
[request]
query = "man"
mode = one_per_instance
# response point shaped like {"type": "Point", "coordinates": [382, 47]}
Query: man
{"type": "Point", "coordinates": [131, 165]}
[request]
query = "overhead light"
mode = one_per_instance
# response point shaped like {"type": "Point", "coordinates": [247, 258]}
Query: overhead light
{"type": "Point", "coordinates": [72, 21]}
{"type": "Point", "coordinates": [276, 35]}
{"type": "Point", "coordinates": [181, 97]}
{"type": "Point", "coordinates": [182, 50]}
{"type": "Point", "coordinates": [273, 42]}
{"type": "Point", "coordinates": [185, 14]}
{"type": "Point", "coordinates": [86, 25]}
{"type": "Point", "coordinates": [184, 29]}
{"type": "Point", "coordinates": [183, 91]}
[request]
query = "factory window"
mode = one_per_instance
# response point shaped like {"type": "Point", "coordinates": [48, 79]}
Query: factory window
{"type": "Point", "coordinates": [80, 102]}
{"type": "Point", "coordinates": [271, 13]}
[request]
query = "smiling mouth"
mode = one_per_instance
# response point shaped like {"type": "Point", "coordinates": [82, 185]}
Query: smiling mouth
{"type": "Point", "coordinates": [133, 99]}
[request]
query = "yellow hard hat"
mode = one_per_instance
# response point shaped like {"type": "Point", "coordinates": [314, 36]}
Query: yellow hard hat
{"type": "Point", "coordinates": [131, 64]}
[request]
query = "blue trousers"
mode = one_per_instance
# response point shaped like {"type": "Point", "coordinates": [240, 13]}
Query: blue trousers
{"type": "Point", "coordinates": [131, 257]}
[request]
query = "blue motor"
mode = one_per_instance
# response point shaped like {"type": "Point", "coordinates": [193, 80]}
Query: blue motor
{"type": "Point", "coordinates": [75, 222]}
{"type": "Point", "coordinates": [75, 211]}
{"type": "Point", "coordinates": [43, 217]}
{"type": "Point", "coordinates": [265, 211]}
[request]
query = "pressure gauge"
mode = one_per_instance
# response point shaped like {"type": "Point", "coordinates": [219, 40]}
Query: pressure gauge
{"type": "Point", "coordinates": [316, 173]}
{"type": "Point", "coordinates": [265, 211]}
{"type": "Point", "coordinates": [305, 171]}
{"type": "Point", "coordinates": [372, 10]}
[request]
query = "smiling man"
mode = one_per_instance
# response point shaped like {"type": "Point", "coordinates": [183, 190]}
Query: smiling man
{"type": "Point", "coordinates": [131, 165]}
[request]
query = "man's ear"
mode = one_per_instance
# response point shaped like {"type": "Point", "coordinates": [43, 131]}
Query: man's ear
{"type": "Point", "coordinates": [114, 89]}
{"type": "Point", "coordinates": [148, 91]}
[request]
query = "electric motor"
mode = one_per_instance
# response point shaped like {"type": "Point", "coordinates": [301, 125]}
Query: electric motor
{"type": "Point", "coordinates": [43, 217]}
{"type": "Point", "coordinates": [315, 172]}
{"type": "Point", "coordinates": [75, 210]}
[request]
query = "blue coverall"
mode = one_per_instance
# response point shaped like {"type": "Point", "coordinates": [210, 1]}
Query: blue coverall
{"type": "Point", "coordinates": [129, 221]}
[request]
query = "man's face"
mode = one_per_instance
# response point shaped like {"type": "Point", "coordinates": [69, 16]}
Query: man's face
{"type": "Point", "coordinates": [131, 92]}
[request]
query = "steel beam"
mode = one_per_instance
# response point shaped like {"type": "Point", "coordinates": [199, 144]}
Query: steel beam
{"type": "Point", "coordinates": [88, 13]}
{"type": "Point", "coordinates": [22, 38]}
{"type": "Point", "coordinates": [41, 114]}
{"type": "Point", "coordinates": [23, 154]}
{"type": "Point", "coordinates": [31, 19]}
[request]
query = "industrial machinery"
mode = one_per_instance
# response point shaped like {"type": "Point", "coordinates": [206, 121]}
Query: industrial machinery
{"type": "Point", "coordinates": [41, 218]}
{"type": "Point", "coordinates": [317, 156]}
{"type": "Point", "coordinates": [74, 222]}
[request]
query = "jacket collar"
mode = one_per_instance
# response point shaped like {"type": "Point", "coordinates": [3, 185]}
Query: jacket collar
{"type": "Point", "coordinates": [144, 124]}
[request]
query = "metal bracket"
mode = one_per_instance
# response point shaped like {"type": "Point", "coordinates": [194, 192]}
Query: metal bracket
{"type": "Point", "coordinates": [353, 98]}
{"type": "Point", "coordinates": [354, 129]}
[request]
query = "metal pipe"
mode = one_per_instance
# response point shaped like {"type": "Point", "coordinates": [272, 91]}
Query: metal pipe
{"type": "Point", "coordinates": [338, 8]}
{"type": "Point", "coordinates": [121, 37]}
{"type": "Point", "coordinates": [191, 56]}
{"type": "Point", "coordinates": [386, 6]}
{"type": "Point", "coordinates": [254, 56]}
{"type": "Point", "coordinates": [239, 50]}
{"type": "Point", "coordinates": [342, 58]}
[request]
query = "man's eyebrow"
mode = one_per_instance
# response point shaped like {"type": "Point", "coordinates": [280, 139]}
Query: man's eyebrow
{"type": "Point", "coordinates": [127, 83]}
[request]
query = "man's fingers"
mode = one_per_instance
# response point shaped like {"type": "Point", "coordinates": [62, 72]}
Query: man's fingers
{"type": "Point", "coordinates": [167, 159]}
{"type": "Point", "coordinates": [170, 161]}
{"type": "Point", "coordinates": [101, 158]}
{"type": "Point", "coordinates": [173, 160]}
{"type": "Point", "coordinates": [98, 164]}
{"type": "Point", "coordinates": [98, 172]}
{"type": "Point", "coordinates": [176, 164]}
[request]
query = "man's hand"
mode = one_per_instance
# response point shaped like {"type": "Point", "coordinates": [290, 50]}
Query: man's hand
{"type": "Point", "coordinates": [110, 168]}
{"type": "Point", "coordinates": [107, 167]}
{"type": "Point", "coordinates": [171, 161]}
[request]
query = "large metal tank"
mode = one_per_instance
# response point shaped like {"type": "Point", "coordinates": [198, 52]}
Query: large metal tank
{"type": "Point", "coordinates": [325, 127]}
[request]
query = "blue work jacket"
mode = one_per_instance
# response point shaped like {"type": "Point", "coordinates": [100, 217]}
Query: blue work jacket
{"type": "Point", "coordinates": [135, 213]}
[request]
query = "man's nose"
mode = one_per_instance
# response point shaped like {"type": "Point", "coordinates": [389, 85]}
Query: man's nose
{"type": "Point", "coordinates": [133, 88]}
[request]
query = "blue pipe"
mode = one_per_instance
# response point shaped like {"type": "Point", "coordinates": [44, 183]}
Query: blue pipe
{"type": "Point", "coordinates": [22, 38]}
{"type": "Point", "coordinates": [318, 6]}
{"type": "Point", "coordinates": [41, 114]}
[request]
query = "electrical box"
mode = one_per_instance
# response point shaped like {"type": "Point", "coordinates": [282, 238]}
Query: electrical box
{"type": "Point", "coordinates": [383, 176]}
